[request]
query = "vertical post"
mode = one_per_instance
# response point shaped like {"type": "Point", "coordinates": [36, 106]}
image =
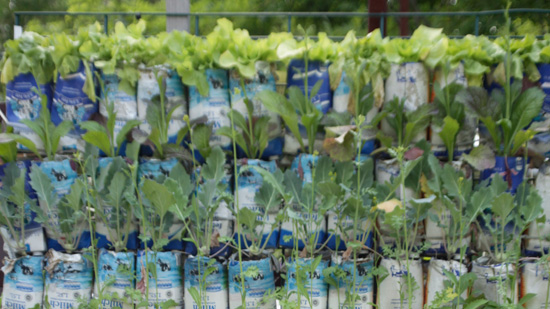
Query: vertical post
{"type": "Point", "coordinates": [178, 22]}
{"type": "Point", "coordinates": [17, 29]}
{"type": "Point", "coordinates": [289, 23]}
{"type": "Point", "coordinates": [404, 21]}
{"type": "Point", "coordinates": [106, 23]}
{"type": "Point", "coordinates": [197, 25]}
{"type": "Point", "coordinates": [376, 6]}
{"type": "Point", "coordinates": [382, 28]}
{"type": "Point", "coordinates": [476, 29]}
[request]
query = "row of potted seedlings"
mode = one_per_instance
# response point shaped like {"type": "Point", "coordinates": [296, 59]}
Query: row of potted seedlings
{"type": "Point", "coordinates": [172, 202]}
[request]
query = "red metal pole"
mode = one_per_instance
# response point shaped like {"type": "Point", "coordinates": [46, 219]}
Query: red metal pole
{"type": "Point", "coordinates": [377, 6]}
{"type": "Point", "coordinates": [404, 21]}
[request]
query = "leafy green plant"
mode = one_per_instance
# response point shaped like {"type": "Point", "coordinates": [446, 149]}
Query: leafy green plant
{"type": "Point", "coordinates": [450, 114]}
{"type": "Point", "coordinates": [14, 205]}
{"type": "Point", "coordinates": [426, 44]}
{"type": "Point", "coordinates": [69, 224]}
{"type": "Point", "coordinates": [70, 51]}
{"type": "Point", "coordinates": [505, 114]}
{"type": "Point", "coordinates": [29, 54]}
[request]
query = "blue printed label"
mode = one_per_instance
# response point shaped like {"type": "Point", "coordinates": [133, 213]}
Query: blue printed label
{"type": "Point", "coordinates": [22, 102]}
{"type": "Point", "coordinates": [303, 164]}
{"type": "Point", "coordinates": [152, 169]}
{"type": "Point", "coordinates": [363, 285]}
{"type": "Point", "coordinates": [115, 276]}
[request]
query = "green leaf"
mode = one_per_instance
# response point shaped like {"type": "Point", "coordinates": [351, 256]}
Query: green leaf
{"type": "Point", "coordinates": [9, 138]}
{"type": "Point", "coordinates": [128, 126]}
{"type": "Point", "coordinates": [98, 139]}
{"type": "Point", "coordinates": [448, 134]}
{"type": "Point", "coordinates": [277, 103]}
{"type": "Point", "coordinates": [159, 196]}
{"type": "Point", "coordinates": [481, 158]}
{"type": "Point", "coordinates": [503, 205]}
{"type": "Point", "coordinates": [214, 167]}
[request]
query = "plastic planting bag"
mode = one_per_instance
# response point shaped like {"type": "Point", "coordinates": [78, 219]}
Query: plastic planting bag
{"type": "Point", "coordinates": [68, 279]}
{"type": "Point", "coordinates": [511, 169]}
{"type": "Point", "coordinates": [116, 271]}
{"type": "Point", "coordinates": [257, 286]}
{"type": "Point", "coordinates": [34, 234]}
{"type": "Point", "coordinates": [536, 242]}
{"type": "Point", "coordinates": [315, 284]}
{"type": "Point", "coordinates": [214, 108]}
{"type": "Point", "coordinates": [364, 284]}
{"type": "Point", "coordinates": [534, 280]}
{"type": "Point", "coordinates": [303, 165]}
{"type": "Point", "coordinates": [263, 80]}
{"type": "Point", "coordinates": [408, 81]}
{"type": "Point", "coordinates": [215, 291]}
{"type": "Point", "coordinates": [22, 102]}
{"type": "Point", "coordinates": [396, 282]}
{"type": "Point", "coordinates": [167, 285]}
{"type": "Point", "coordinates": [23, 282]}
{"type": "Point", "coordinates": [70, 102]}
{"type": "Point", "coordinates": [317, 71]}
{"type": "Point", "coordinates": [62, 176]}
{"type": "Point", "coordinates": [436, 277]}
{"type": "Point", "coordinates": [250, 182]}
{"type": "Point", "coordinates": [125, 104]}
{"type": "Point", "coordinates": [149, 93]}
{"type": "Point", "coordinates": [492, 279]}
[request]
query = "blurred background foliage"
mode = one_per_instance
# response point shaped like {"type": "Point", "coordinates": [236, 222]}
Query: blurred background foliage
{"type": "Point", "coordinates": [489, 25]}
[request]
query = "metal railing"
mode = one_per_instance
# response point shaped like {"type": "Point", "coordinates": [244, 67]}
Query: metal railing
{"type": "Point", "coordinates": [288, 15]}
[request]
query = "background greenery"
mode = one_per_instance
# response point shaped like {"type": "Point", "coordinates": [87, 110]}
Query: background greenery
{"type": "Point", "coordinates": [524, 23]}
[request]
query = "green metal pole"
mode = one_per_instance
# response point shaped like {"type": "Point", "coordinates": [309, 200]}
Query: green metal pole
{"type": "Point", "coordinates": [289, 23]}
{"type": "Point", "coordinates": [106, 23]}
{"type": "Point", "coordinates": [17, 19]}
{"type": "Point", "coordinates": [382, 20]}
{"type": "Point", "coordinates": [476, 29]}
{"type": "Point", "coordinates": [197, 25]}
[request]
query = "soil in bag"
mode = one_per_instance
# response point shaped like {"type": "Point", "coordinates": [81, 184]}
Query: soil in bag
{"type": "Point", "coordinates": [23, 282]}
{"type": "Point", "coordinates": [62, 175]}
{"type": "Point", "coordinates": [68, 280]}
{"type": "Point", "coordinates": [167, 284]}
{"type": "Point", "coordinates": [69, 100]}
{"type": "Point", "coordinates": [22, 102]}
{"type": "Point", "coordinates": [215, 292]}
{"type": "Point", "coordinates": [257, 286]}
{"type": "Point", "coordinates": [116, 274]}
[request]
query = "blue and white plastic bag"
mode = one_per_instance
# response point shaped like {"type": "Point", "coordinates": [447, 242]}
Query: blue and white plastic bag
{"type": "Point", "coordinates": [117, 266]}
{"type": "Point", "coordinates": [69, 100]}
{"type": "Point", "coordinates": [257, 286]}
{"type": "Point", "coordinates": [216, 294]}
{"type": "Point", "coordinates": [364, 284]}
{"type": "Point", "coordinates": [315, 285]}
{"type": "Point", "coordinates": [68, 279]}
{"type": "Point", "coordinates": [22, 102]}
{"type": "Point", "coordinates": [168, 283]}
{"type": "Point", "coordinates": [214, 107]}
{"type": "Point", "coordinates": [23, 282]}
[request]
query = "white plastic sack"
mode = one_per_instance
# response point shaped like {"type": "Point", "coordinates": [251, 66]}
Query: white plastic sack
{"type": "Point", "coordinates": [436, 277]}
{"type": "Point", "coordinates": [388, 294]}
{"type": "Point", "coordinates": [491, 277]}
{"type": "Point", "coordinates": [23, 282]}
